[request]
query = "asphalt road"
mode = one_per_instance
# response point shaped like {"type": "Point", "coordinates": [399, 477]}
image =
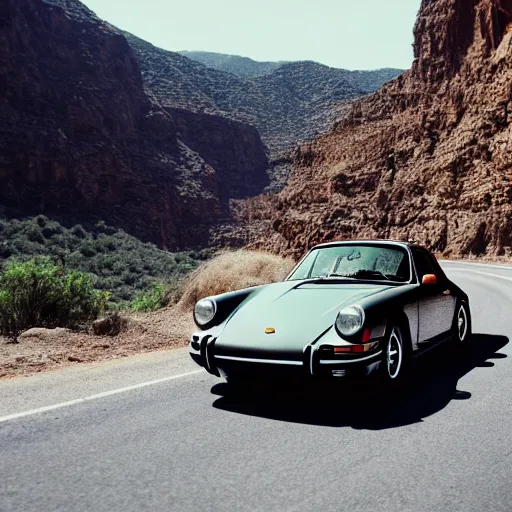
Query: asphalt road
{"type": "Point", "coordinates": [147, 434]}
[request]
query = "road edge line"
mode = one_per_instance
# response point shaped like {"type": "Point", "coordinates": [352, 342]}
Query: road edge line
{"type": "Point", "coordinates": [96, 396]}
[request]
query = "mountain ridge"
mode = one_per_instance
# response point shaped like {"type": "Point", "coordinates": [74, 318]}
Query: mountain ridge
{"type": "Point", "coordinates": [245, 66]}
{"type": "Point", "coordinates": [250, 68]}
{"type": "Point", "coordinates": [269, 102]}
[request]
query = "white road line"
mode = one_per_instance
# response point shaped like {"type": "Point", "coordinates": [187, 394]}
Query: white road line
{"type": "Point", "coordinates": [481, 273]}
{"type": "Point", "coordinates": [95, 397]}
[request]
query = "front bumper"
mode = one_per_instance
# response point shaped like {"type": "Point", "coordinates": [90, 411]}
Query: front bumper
{"type": "Point", "coordinates": [312, 364]}
{"type": "Point", "coordinates": [357, 367]}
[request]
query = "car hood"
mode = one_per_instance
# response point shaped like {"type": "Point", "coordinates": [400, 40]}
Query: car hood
{"type": "Point", "coordinates": [299, 311]}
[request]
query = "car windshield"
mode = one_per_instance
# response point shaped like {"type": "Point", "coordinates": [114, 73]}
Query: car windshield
{"type": "Point", "coordinates": [359, 262]}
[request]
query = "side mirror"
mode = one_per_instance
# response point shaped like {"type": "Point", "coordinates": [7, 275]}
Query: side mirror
{"type": "Point", "coordinates": [429, 279]}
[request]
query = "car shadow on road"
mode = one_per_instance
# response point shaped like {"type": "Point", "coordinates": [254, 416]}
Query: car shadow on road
{"type": "Point", "coordinates": [362, 404]}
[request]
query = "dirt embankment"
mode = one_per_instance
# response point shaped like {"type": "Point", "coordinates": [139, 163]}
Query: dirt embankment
{"type": "Point", "coordinates": [45, 349]}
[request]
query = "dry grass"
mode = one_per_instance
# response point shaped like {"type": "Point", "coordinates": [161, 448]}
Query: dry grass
{"type": "Point", "coordinates": [233, 270]}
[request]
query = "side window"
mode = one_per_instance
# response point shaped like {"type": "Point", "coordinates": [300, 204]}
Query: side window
{"type": "Point", "coordinates": [423, 264]}
{"type": "Point", "coordinates": [441, 276]}
{"type": "Point", "coordinates": [435, 264]}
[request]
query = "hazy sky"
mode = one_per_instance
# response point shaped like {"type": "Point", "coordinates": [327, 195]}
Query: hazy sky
{"type": "Point", "coordinates": [352, 34]}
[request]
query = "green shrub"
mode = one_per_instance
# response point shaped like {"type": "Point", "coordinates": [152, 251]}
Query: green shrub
{"type": "Point", "coordinates": [41, 221]}
{"type": "Point", "coordinates": [88, 250]}
{"type": "Point", "coordinates": [151, 300]}
{"type": "Point", "coordinates": [116, 261]}
{"type": "Point", "coordinates": [49, 231]}
{"type": "Point", "coordinates": [174, 291]}
{"type": "Point", "coordinates": [33, 233]}
{"type": "Point", "coordinates": [79, 231]}
{"type": "Point", "coordinates": [5, 251]}
{"type": "Point", "coordinates": [39, 293]}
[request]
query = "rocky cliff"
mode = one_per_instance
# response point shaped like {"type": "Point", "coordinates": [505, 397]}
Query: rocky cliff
{"type": "Point", "coordinates": [428, 157]}
{"type": "Point", "coordinates": [81, 138]}
{"type": "Point", "coordinates": [234, 147]}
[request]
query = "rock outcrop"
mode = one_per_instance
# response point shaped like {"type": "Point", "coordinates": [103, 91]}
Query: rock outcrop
{"type": "Point", "coordinates": [234, 147]}
{"type": "Point", "coordinates": [428, 157]}
{"type": "Point", "coordinates": [81, 138]}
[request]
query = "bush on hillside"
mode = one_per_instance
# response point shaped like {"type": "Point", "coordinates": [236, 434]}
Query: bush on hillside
{"type": "Point", "coordinates": [118, 263]}
{"type": "Point", "coordinates": [150, 300]}
{"type": "Point", "coordinates": [39, 293]}
{"type": "Point", "coordinates": [233, 271]}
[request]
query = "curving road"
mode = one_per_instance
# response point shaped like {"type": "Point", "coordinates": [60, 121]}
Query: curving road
{"type": "Point", "coordinates": [152, 433]}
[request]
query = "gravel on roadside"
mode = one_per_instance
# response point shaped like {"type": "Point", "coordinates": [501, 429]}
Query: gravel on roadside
{"type": "Point", "coordinates": [56, 348]}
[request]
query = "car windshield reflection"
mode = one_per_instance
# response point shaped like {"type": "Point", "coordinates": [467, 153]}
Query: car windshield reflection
{"type": "Point", "coordinates": [387, 263]}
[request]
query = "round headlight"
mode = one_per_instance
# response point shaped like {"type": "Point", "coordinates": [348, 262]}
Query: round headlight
{"type": "Point", "coordinates": [204, 311]}
{"type": "Point", "coordinates": [350, 320]}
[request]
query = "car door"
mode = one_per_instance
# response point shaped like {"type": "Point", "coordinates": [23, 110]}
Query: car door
{"type": "Point", "coordinates": [436, 304]}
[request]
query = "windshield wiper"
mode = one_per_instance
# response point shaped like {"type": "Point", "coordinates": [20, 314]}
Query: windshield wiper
{"type": "Point", "coordinates": [329, 279]}
{"type": "Point", "coordinates": [363, 274]}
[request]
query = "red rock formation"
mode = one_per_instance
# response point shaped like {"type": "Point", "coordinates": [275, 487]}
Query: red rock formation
{"type": "Point", "coordinates": [428, 157]}
{"type": "Point", "coordinates": [80, 138]}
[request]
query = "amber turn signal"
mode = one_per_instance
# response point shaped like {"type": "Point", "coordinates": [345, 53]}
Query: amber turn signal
{"type": "Point", "coordinates": [429, 279]}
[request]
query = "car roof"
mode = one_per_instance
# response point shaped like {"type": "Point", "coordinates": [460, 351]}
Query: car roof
{"type": "Point", "coordinates": [399, 243]}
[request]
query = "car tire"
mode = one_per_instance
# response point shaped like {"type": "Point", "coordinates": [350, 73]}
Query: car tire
{"type": "Point", "coordinates": [396, 357]}
{"type": "Point", "coordinates": [461, 327]}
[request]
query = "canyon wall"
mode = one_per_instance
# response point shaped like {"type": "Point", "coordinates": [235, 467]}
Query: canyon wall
{"type": "Point", "coordinates": [80, 138]}
{"type": "Point", "coordinates": [426, 158]}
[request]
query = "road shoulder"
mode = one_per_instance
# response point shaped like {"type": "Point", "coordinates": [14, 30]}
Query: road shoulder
{"type": "Point", "coordinates": [77, 382]}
